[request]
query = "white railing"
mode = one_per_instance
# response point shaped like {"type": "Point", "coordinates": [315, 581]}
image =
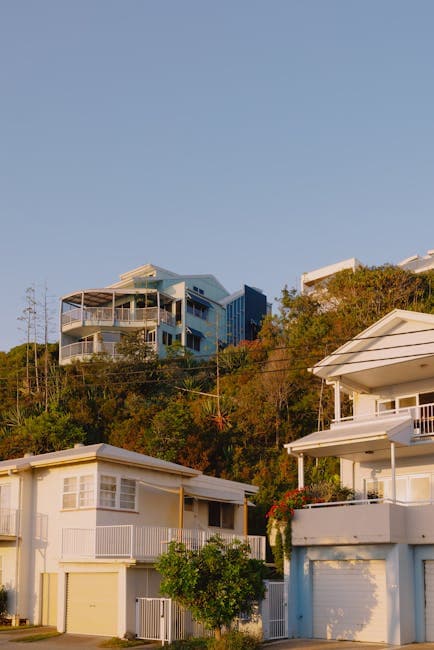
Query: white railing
{"type": "Point", "coordinates": [364, 502]}
{"type": "Point", "coordinates": [8, 521]}
{"type": "Point", "coordinates": [423, 418]}
{"type": "Point", "coordinates": [119, 316]}
{"type": "Point", "coordinates": [141, 542]}
{"type": "Point", "coordinates": [86, 348]}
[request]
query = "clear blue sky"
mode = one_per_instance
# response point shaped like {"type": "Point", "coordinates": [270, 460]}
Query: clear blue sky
{"type": "Point", "coordinates": [251, 140]}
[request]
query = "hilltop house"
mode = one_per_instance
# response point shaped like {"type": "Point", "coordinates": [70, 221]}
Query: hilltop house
{"type": "Point", "coordinates": [364, 569]}
{"type": "Point", "coordinates": [195, 311]}
{"type": "Point", "coordinates": [80, 531]}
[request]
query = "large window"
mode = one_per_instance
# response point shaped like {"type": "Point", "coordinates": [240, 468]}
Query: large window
{"type": "Point", "coordinates": [409, 489]}
{"type": "Point", "coordinates": [119, 493]}
{"type": "Point", "coordinates": [78, 492]}
{"type": "Point", "coordinates": [193, 342]}
{"type": "Point", "coordinates": [221, 515]}
{"type": "Point", "coordinates": [195, 309]}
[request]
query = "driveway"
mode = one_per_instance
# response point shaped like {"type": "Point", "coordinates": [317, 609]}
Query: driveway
{"type": "Point", "coordinates": [87, 642]}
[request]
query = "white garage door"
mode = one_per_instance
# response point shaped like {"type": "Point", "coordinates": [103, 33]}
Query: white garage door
{"type": "Point", "coordinates": [349, 600]}
{"type": "Point", "coordinates": [92, 603]}
{"type": "Point", "coordinates": [429, 600]}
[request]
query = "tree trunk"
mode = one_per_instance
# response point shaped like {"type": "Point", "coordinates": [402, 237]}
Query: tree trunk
{"type": "Point", "coordinates": [218, 633]}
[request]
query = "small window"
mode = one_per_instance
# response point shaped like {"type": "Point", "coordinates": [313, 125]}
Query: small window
{"type": "Point", "coordinates": [78, 492]}
{"type": "Point", "coordinates": [188, 504]}
{"type": "Point", "coordinates": [221, 515]}
{"type": "Point", "coordinates": [107, 492]}
{"type": "Point", "coordinates": [128, 494]}
{"type": "Point", "coordinates": [167, 338]}
{"type": "Point", "coordinates": [86, 493]}
{"type": "Point", "coordinates": [69, 492]}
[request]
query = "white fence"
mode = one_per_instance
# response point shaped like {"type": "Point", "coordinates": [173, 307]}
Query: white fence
{"type": "Point", "coordinates": [274, 611]}
{"type": "Point", "coordinates": [141, 542]}
{"type": "Point", "coordinates": [161, 619]}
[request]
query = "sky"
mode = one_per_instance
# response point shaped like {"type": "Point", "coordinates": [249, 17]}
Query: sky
{"type": "Point", "coordinates": [253, 140]}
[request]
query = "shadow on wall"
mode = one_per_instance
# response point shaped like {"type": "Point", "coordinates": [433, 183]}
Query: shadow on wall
{"type": "Point", "coordinates": [349, 600]}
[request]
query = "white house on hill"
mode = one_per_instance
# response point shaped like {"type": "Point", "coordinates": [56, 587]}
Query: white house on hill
{"type": "Point", "coordinates": [364, 570]}
{"type": "Point", "coordinates": [80, 531]}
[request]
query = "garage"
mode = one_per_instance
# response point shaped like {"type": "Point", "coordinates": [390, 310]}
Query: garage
{"type": "Point", "coordinates": [349, 600]}
{"type": "Point", "coordinates": [92, 603]}
{"type": "Point", "coordinates": [429, 600]}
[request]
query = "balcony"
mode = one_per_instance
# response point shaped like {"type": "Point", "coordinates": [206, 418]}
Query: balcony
{"type": "Point", "coordinates": [364, 522]}
{"type": "Point", "coordinates": [8, 523]}
{"type": "Point", "coordinates": [85, 349]}
{"type": "Point", "coordinates": [141, 543]}
{"type": "Point", "coordinates": [117, 317]}
{"type": "Point", "coordinates": [423, 418]}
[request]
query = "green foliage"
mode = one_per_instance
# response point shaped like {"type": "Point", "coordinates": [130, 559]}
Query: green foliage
{"type": "Point", "coordinates": [232, 640]}
{"type": "Point", "coordinates": [277, 549]}
{"type": "Point", "coordinates": [3, 601]}
{"type": "Point", "coordinates": [235, 640]}
{"type": "Point", "coordinates": [215, 582]}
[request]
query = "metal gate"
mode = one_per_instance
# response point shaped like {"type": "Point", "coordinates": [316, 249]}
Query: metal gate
{"type": "Point", "coordinates": [274, 611]}
{"type": "Point", "coordinates": [161, 619]}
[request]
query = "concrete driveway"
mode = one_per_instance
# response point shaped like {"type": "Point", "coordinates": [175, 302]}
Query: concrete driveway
{"type": "Point", "coordinates": [87, 642]}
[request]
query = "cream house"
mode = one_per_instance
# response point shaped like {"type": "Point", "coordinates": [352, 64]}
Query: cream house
{"type": "Point", "coordinates": [80, 531]}
{"type": "Point", "coordinates": [364, 570]}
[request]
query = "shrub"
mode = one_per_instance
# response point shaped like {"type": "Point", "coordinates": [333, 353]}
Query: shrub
{"type": "Point", "coordinates": [3, 602]}
{"type": "Point", "coordinates": [234, 640]}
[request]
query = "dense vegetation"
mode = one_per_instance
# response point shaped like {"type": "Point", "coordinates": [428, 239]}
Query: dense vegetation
{"type": "Point", "coordinates": [167, 408]}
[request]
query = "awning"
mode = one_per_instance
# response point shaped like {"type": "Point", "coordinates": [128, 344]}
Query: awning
{"type": "Point", "coordinates": [200, 301]}
{"type": "Point", "coordinates": [191, 330]}
{"type": "Point", "coordinates": [353, 440]}
{"type": "Point", "coordinates": [213, 495]}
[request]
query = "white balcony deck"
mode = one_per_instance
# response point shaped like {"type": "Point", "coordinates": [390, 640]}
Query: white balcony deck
{"type": "Point", "coordinates": [423, 418]}
{"type": "Point", "coordinates": [142, 543]}
{"type": "Point", "coordinates": [375, 521]}
{"type": "Point", "coordinates": [85, 349]}
{"type": "Point", "coordinates": [117, 317]}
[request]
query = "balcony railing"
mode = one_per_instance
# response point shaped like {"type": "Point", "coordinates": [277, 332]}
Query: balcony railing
{"type": "Point", "coordinates": [8, 522]}
{"type": "Point", "coordinates": [117, 316]}
{"type": "Point", "coordinates": [423, 418]}
{"type": "Point", "coordinates": [141, 542]}
{"type": "Point", "coordinates": [87, 348]}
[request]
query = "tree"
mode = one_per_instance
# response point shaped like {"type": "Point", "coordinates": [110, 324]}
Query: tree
{"type": "Point", "coordinates": [216, 582]}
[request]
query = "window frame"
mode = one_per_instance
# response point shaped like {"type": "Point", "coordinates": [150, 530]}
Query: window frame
{"type": "Point", "coordinates": [120, 493]}
{"type": "Point", "coordinates": [83, 491]}
{"type": "Point", "coordinates": [225, 509]}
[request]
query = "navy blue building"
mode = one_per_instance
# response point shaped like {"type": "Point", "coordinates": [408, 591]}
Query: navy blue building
{"type": "Point", "coordinates": [245, 311]}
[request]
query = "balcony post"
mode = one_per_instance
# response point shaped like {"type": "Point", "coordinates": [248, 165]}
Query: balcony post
{"type": "Point", "coordinates": [158, 308]}
{"type": "Point", "coordinates": [337, 386]}
{"type": "Point", "coordinates": [300, 466]}
{"type": "Point", "coordinates": [82, 307]}
{"type": "Point", "coordinates": [245, 517]}
{"type": "Point", "coordinates": [181, 508]}
{"type": "Point", "coordinates": [113, 306]}
{"type": "Point", "coordinates": [393, 467]}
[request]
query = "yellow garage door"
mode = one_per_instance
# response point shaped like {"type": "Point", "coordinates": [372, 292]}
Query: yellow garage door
{"type": "Point", "coordinates": [49, 599]}
{"type": "Point", "coordinates": [92, 603]}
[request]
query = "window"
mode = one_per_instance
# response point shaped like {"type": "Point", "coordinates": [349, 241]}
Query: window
{"type": "Point", "coordinates": [78, 492]}
{"type": "Point", "coordinates": [221, 515]}
{"type": "Point", "coordinates": [200, 311]}
{"type": "Point", "coordinates": [107, 492]}
{"type": "Point", "coordinates": [178, 311]}
{"type": "Point", "coordinates": [127, 499]}
{"type": "Point", "coordinates": [193, 342]}
{"type": "Point", "coordinates": [167, 338]}
{"type": "Point", "coordinates": [117, 493]}
{"type": "Point", "coordinates": [409, 489]}
{"type": "Point", "coordinates": [188, 504]}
